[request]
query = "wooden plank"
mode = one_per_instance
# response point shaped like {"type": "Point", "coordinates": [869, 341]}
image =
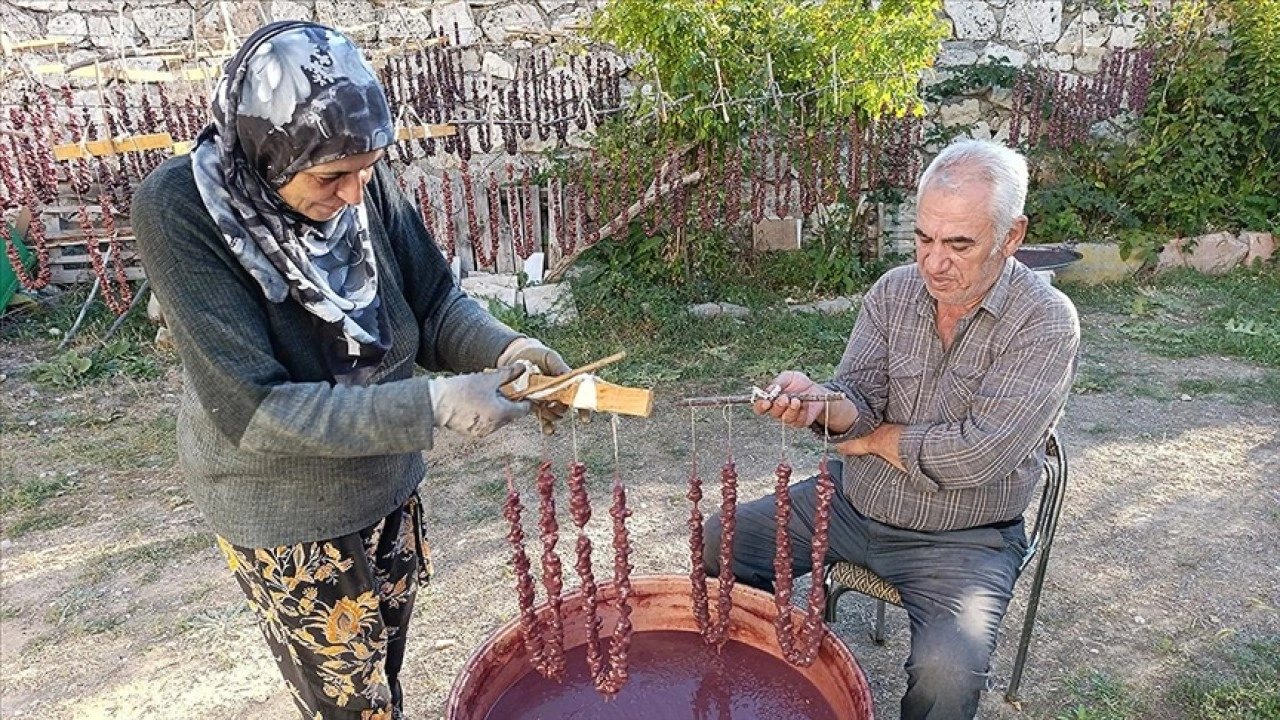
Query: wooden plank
{"type": "Point", "coordinates": [11, 47]}
{"type": "Point", "coordinates": [76, 276]}
{"type": "Point", "coordinates": [599, 395]}
{"type": "Point", "coordinates": [418, 132]}
{"type": "Point", "coordinates": [136, 143]}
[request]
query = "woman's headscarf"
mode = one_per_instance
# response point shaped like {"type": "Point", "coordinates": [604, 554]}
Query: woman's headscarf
{"type": "Point", "coordinates": [298, 95]}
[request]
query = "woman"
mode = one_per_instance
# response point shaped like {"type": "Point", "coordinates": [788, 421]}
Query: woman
{"type": "Point", "coordinates": [302, 289]}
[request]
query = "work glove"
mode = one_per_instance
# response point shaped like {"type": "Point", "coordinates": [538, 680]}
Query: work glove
{"type": "Point", "coordinates": [473, 404]}
{"type": "Point", "coordinates": [541, 359]}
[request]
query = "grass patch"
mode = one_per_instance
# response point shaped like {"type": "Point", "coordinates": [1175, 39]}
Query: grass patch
{"type": "Point", "coordinates": [30, 494]}
{"type": "Point", "coordinates": [665, 343]}
{"type": "Point", "coordinates": [35, 522]}
{"type": "Point", "coordinates": [147, 561]}
{"type": "Point", "coordinates": [1099, 696]}
{"type": "Point", "coordinates": [124, 446]}
{"type": "Point", "coordinates": [1186, 314]}
{"type": "Point", "coordinates": [1265, 389]}
{"type": "Point", "coordinates": [1244, 686]}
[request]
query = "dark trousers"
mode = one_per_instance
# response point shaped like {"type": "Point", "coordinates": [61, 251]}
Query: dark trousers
{"type": "Point", "coordinates": [336, 613]}
{"type": "Point", "coordinates": [955, 586]}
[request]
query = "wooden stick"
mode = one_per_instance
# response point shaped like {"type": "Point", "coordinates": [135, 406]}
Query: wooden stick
{"type": "Point", "coordinates": [717, 400]}
{"type": "Point", "coordinates": [561, 379]}
{"type": "Point", "coordinates": [136, 143]}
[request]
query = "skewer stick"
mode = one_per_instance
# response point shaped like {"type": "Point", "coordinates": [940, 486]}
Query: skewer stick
{"type": "Point", "coordinates": [717, 400]}
{"type": "Point", "coordinates": [562, 379]}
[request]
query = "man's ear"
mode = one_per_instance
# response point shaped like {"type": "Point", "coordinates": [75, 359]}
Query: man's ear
{"type": "Point", "coordinates": [1017, 233]}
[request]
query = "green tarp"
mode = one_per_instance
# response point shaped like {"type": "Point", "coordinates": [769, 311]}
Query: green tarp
{"type": "Point", "coordinates": [9, 279]}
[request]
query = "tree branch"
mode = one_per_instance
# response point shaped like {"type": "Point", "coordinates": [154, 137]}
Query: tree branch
{"type": "Point", "coordinates": [651, 196]}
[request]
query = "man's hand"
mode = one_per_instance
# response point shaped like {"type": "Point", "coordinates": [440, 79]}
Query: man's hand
{"type": "Point", "coordinates": [546, 361]}
{"type": "Point", "coordinates": [883, 441]}
{"type": "Point", "coordinates": [791, 411]}
{"type": "Point", "coordinates": [473, 404]}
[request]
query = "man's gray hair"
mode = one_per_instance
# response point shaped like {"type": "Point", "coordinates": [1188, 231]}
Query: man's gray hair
{"type": "Point", "coordinates": [1000, 168]}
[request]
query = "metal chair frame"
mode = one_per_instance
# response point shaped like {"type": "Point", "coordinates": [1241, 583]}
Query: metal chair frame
{"type": "Point", "coordinates": [1038, 544]}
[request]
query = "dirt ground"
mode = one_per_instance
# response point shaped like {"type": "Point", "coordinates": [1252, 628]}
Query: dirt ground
{"type": "Point", "coordinates": [115, 604]}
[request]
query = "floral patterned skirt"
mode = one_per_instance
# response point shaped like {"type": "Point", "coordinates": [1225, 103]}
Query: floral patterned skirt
{"type": "Point", "coordinates": [336, 613]}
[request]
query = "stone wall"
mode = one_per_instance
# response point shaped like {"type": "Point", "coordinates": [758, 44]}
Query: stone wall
{"type": "Point", "coordinates": [1062, 36]}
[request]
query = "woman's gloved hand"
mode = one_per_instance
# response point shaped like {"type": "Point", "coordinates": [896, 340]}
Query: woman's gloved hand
{"type": "Point", "coordinates": [547, 362]}
{"type": "Point", "coordinates": [473, 404]}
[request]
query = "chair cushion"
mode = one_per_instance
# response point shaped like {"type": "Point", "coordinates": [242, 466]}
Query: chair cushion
{"type": "Point", "coordinates": [860, 579]}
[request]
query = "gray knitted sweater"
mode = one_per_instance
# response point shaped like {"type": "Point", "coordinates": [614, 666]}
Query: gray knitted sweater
{"type": "Point", "coordinates": [273, 450]}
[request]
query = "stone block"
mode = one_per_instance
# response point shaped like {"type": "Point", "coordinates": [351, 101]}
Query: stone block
{"type": "Point", "coordinates": [965, 112]}
{"type": "Point", "coordinates": [162, 25]}
{"type": "Point", "coordinates": [783, 234]}
{"type": "Point", "coordinates": [498, 20]}
{"type": "Point", "coordinates": [1087, 31]}
{"type": "Point", "coordinates": [1262, 245]}
{"type": "Point", "coordinates": [112, 31]}
{"type": "Point", "coordinates": [483, 290]}
{"type": "Point", "coordinates": [1126, 29]}
{"type": "Point", "coordinates": [1171, 255]}
{"type": "Point", "coordinates": [44, 6]}
{"type": "Point", "coordinates": [714, 310]}
{"type": "Point", "coordinates": [973, 19]}
{"type": "Point", "coordinates": [18, 26]}
{"type": "Point", "coordinates": [446, 16]}
{"type": "Point", "coordinates": [1090, 61]}
{"type": "Point", "coordinates": [289, 10]}
{"type": "Point", "coordinates": [496, 66]}
{"type": "Point", "coordinates": [72, 27]}
{"type": "Point", "coordinates": [343, 14]}
{"type": "Point", "coordinates": [553, 302]}
{"type": "Point", "coordinates": [1032, 22]}
{"type": "Point", "coordinates": [1016, 58]}
{"type": "Point", "coordinates": [1217, 253]}
{"type": "Point", "coordinates": [956, 54]}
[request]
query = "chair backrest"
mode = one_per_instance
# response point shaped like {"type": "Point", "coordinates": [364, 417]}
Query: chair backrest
{"type": "Point", "coordinates": [1055, 485]}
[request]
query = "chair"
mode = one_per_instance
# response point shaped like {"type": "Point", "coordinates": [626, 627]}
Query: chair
{"type": "Point", "coordinates": [842, 577]}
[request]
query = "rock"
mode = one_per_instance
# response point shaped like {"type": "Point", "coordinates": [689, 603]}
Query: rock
{"type": "Point", "coordinates": [154, 312]}
{"type": "Point", "coordinates": [485, 287]}
{"type": "Point", "coordinates": [955, 54]}
{"type": "Point", "coordinates": [112, 31]}
{"type": "Point", "coordinates": [1031, 22]}
{"type": "Point", "coordinates": [1016, 58]}
{"type": "Point", "coordinates": [965, 112]}
{"type": "Point", "coordinates": [553, 302]}
{"type": "Point", "coordinates": [1085, 32]}
{"type": "Point", "coordinates": [1262, 245]}
{"type": "Point", "coordinates": [407, 23]}
{"type": "Point", "coordinates": [1125, 30]}
{"type": "Point", "coordinates": [459, 12]}
{"type": "Point", "coordinates": [1217, 253]}
{"type": "Point", "coordinates": [72, 27]}
{"type": "Point", "coordinates": [1056, 61]}
{"type": "Point", "coordinates": [18, 25]}
{"type": "Point", "coordinates": [162, 26]}
{"type": "Point", "coordinates": [499, 20]}
{"type": "Point", "coordinates": [1171, 255]}
{"type": "Point", "coordinates": [1090, 61]}
{"type": "Point", "coordinates": [344, 14]}
{"type": "Point", "coordinates": [973, 19]}
{"type": "Point", "coordinates": [712, 310]}
{"type": "Point", "coordinates": [289, 10]}
{"type": "Point", "coordinates": [496, 66]}
{"type": "Point", "coordinates": [45, 6]}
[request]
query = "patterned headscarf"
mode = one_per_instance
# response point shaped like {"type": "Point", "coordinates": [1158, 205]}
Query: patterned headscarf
{"type": "Point", "coordinates": [298, 95]}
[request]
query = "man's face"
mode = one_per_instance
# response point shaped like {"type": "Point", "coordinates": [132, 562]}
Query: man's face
{"type": "Point", "coordinates": [322, 191]}
{"type": "Point", "coordinates": [957, 250]}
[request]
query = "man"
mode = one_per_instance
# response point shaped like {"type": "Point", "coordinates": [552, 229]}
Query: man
{"type": "Point", "coordinates": [956, 370]}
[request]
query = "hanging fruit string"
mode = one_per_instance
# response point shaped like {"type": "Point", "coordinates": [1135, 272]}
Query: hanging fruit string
{"type": "Point", "coordinates": [529, 195]}
{"type": "Point", "coordinates": [474, 235]}
{"type": "Point", "coordinates": [800, 648]}
{"type": "Point", "coordinates": [758, 164]}
{"type": "Point", "coordinates": [450, 234]}
{"type": "Point", "coordinates": [493, 205]}
{"type": "Point", "coordinates": [513, 207]}
{"type": "Point", "coordinates": [713, 633]}
{"type": "Point", "coordinates": [116, 294]}
{"type": "Point", "coordinates": [552, 574]}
